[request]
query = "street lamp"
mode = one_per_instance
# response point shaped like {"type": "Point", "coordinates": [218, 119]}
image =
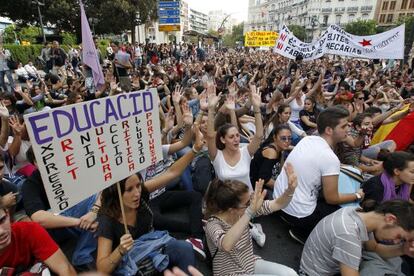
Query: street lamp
{"type": "Point", "coordinates": [40, 18]}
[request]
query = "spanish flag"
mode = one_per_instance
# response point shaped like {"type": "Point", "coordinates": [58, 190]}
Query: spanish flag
{"type": "Point", "coordinates": [401, 132]}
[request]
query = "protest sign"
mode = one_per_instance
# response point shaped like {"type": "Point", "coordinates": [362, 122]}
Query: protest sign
{"type": "Point", "coordinates": [260, 39]}
{"type": "Point", "coordinates": [335, 41]}
{"type": "Point", "coordinates": [84, 148]}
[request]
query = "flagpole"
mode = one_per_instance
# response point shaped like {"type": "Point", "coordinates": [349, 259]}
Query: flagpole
{"type": "Point", "coordinates": [121, 203]}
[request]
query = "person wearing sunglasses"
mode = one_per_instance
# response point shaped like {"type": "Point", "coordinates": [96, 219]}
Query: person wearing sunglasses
{"type": "Point", "coordinates": [266, 160]}
{"type": "Point", "coordinates": [359, 102]}
{"type": "Point", "coordinates": [230, 206]}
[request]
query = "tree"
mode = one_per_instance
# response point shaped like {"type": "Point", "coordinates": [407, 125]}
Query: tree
{"type": "Point", "coordinates": [409, 33]}
{"type": "Point", "coordinates": [230, 40]}
{"type": "Point", "coordinates": [361, 27]}
{"type": "Point", "coordinates": [115, 16]}
{"type": "Point", "coordinates": [298, 31]}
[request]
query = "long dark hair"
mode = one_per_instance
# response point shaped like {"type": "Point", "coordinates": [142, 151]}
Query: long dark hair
{"type": "Point", "coordinates": [110, 200]}
{"type": "Point", "coordinates": [275, 131]}
{"type": "Point", "coordinates": [275, 118]}
{"type": "Point", "coordinates": [221, 132]}
{"type": "Point", "coordinates": [397, 160]}
{"type": "Point", "coordinates": [223, 195]}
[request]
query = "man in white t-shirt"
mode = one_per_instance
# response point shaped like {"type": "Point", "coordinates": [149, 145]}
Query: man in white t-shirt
{"type": "Point", "coordinates": [317, 169]}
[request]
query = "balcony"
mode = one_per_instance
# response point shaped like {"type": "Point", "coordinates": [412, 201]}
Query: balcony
{"type": "Point", "coordinates": [339, 10]}
{"type": "Point", "coordinates": [366, 8]}
{"type": "Point", "coordinates": [327, 10]}
{"type": "Point", "coordinates": [352, 9]}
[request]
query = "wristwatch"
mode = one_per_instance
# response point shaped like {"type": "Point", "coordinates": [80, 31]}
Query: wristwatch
{"type": "Point", "coordinates": [359, 197]}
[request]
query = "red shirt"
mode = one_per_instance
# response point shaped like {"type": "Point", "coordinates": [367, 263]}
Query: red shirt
{"type": "Point", "coordinates": [29, 243]}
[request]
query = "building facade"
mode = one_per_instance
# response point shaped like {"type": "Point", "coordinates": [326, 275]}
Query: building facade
{"type": "Point", "coordinates": [216, 19]}
{"type": "Point", "coordinates": [387, 12]}
{"type": "Point", "coordinates": [314, 15]}
{"type": "Point", "coordinates": [197, 21]}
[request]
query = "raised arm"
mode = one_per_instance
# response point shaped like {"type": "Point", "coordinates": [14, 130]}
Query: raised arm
{"type": "Point", "coordinates": [178, 167]}
{"type": "Point", "coordinates": [213, 100]}
{"type": "Point", "coordinates": [258, 135]}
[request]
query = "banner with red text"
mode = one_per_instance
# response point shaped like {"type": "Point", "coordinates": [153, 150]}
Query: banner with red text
{"type": "Point", "coordinates": [84, 148]}
{"type": "Point", "coordinates": [335, 41]}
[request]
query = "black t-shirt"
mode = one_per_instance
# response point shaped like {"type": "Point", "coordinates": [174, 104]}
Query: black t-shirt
{"type": "Point", "coordinates": [113, 230]}
{"type": "Point", "coordinates": [312, 117]}
{"type": "Point", "coordinates": [262, 167]}
{"type": "Point", "coordinates": [374, 189]}
{"type": "Point", "coordinates": [34, 194]}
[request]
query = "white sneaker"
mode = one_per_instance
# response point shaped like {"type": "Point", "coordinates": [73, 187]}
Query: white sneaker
{"type": "Point", "coordinates": [257, 234]}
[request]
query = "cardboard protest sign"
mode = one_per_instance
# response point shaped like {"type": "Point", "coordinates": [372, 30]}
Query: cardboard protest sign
{"type": "Point", "coordinates": [335, 41]}
{"type": "Point", "coordinates": [260, 39]}
{"type": "Point", "coordinates": [84, 148]}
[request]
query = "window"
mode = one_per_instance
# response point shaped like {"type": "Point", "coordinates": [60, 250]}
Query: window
{"type": "Point", "coordinates": [401, 15]}
{"type": "Point", "coordinates": [412, 4]}
{"type": "Point", "coordinates": [351, 17]}
{"type": "Point", "coordinates": [338, 19]}
{"type": "Point", "coordinates": [392, 5]}
{"type": "Point", "coordinates": [365, 16]}
{"type": "Point", "coordinates": [389, 18]}
{"type": "Point", "coordinates": [325, 20]}
{"type": "Point", "coordinates": [404, 4]}
{"type": "Point", "coordinates": [385, 6]}
{"type": "Point", "coordinates": [382, 18]}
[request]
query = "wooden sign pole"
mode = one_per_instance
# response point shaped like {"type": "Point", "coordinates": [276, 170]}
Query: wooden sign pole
{"type": "Point", "coordinates": [118, 186]}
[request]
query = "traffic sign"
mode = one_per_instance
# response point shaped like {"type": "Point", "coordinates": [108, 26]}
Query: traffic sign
{"type": "Point", "coordinates": [166, 21]}
{"type": "Point", "coordinates": [169, 4]}
{"type": "Point", "coordinates": [169, 28]}
{"type": "Point", "coordinates": [168, 13]}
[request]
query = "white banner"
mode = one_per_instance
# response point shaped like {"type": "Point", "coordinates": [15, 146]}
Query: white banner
{"type": "Point", "coordinates": [335, 41]}
{"type": "Point", "coordinates": [84, 148]}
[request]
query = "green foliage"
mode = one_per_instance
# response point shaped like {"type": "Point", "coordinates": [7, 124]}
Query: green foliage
{"type": "Point", "coordinates": [409, 32]}
{"type": "Point", "coordinates": [24, 54]}
{"type": "Point", "coordinates": [68, 38]}
{"type": "Point", "coordinates": [230, 40]}
{"type": "Point", "coordinates": [298, 31]}
{"type": "Point", "coordinates": [9, 34]}
{"type": "Point", "coordinates": [29, 33]}
{"type": "Point", "coordinates": [114, 16]}
{"type": "Point", "coordinates": [361, 27]}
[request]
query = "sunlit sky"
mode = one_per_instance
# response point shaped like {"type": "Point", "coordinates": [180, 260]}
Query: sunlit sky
{"type": "Point", "coordinates": [237, 8]}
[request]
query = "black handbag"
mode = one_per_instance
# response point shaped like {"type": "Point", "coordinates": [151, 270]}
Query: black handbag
{"type": "Point", "coordinates": [11, 63]}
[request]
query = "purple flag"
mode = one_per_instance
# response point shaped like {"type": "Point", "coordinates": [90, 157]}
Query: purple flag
{"type": "Point", "coordinates": [89, 53]}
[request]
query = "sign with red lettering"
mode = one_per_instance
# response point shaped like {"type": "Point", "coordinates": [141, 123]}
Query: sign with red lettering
{"type": "Point", "coordinates": [84, 148]}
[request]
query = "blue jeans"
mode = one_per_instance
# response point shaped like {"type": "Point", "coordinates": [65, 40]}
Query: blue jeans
{"type": "Point", "coordinates": [86, 242]}
{"type": "Point", "coordinates": [9, 76]}
{"type": "Point", "coordinates": [181, 254]}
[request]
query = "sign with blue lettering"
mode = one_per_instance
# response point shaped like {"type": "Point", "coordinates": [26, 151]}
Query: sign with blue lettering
{"type": "Point", "coordinates": [165, 21]}
{"type": "Point", "coordinates": [169, 4]}
{"type": "Point", "coordinates": [84, 148]}
{"type": "Point", "coordinates": [169, 13]}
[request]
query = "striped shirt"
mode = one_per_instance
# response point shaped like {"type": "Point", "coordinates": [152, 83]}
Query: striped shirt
{"type": "Point", "coordinates": [336, 239]}
{"type": "Point", "coordinates": [240, 260]}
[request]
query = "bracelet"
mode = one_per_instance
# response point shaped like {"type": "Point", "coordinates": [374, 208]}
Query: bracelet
{"type": "Point", "coordinates": [94, 210]}
{"type": "Point", "coordinates": [249, 213]}
{"type": "Point", "coordinates": [194, 150]}
{"type": "Point", "coordinates": [120, 252]}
